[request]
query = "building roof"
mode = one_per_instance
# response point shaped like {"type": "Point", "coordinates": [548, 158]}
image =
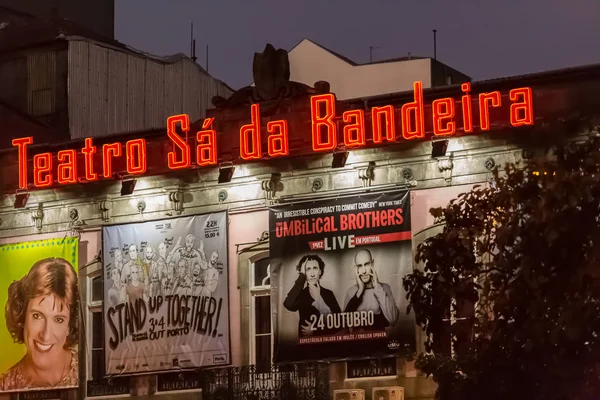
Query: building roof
{"type": "Point", "coordinates": [15, 123]}
{"type": "Point", "coordinates": [355, 64]}
{"type": "Point", "coordinates": [6, 12]}
{"type": "Point", "coordinates": [397, 59]}
{"type": "Point", "coordinates": [29, 31]}
{"type": "Point", "coordinates": [18, 33]}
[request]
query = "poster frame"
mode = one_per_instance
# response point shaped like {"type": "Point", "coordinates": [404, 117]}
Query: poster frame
{"type": "Point", "coordinates": [61, 236]}
{"type": "Point", "coordinates": [406, 189]}
{"type": "Point", "coordinates": [169, 218]}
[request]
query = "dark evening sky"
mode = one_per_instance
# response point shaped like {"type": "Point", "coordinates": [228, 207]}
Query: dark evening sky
{"type": "Point", "coordinates": [484, 39]}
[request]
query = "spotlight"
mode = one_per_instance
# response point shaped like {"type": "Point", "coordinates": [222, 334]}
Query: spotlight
{"type": "Point", "coordinates": [438, 148]}
{"type": "Point", "coordinates": [127, 186]}
{"type": "Point", "coordinates": [226, 172]}
{"type": "Point", "coordinates": [21, 199]}
{"type": "Point", "coordinates": [339, 159]}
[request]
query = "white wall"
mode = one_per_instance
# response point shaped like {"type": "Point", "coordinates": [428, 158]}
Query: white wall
{"type": "Point", "coordinates": [424, 200]}
{"type": "Point", "coordinates": [243, 228]}
{"type": "Point", "coordinates": [310, 63]}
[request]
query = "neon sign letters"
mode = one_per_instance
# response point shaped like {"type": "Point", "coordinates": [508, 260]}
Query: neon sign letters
{"type": "Point", "coordinates": [329, 131]}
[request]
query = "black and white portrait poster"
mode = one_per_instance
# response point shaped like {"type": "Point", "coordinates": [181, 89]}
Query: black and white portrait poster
{"type": "Point", "coordinates": [166, 294]}
{"type": "Point", "coordinates": [336, 278]}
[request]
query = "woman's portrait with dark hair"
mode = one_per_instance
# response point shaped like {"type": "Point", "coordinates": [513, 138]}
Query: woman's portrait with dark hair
{"type": "Point", "coordinates": [42, 313]}
{"type": "Point", "coordinates": [308, 297]}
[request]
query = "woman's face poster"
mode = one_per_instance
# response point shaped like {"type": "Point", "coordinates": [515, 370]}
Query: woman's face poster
{"type": "Point", "coordinates": [39, 312]}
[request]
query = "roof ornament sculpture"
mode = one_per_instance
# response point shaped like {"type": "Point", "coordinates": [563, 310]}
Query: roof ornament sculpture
{"type": "Point", "coordinates": [271, 73]}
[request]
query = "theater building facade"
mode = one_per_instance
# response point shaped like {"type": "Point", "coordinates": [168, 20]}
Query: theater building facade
{"type": "Point", "coordinates": [260, 251]}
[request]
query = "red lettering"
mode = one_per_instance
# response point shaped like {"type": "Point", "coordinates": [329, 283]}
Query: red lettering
{"type": "Point", "coordinates": [485, 99]}
{"type": "Point", "coordinates": [521, 113]}
{"type": "Point", "coordinates": [443, 115]}
{"type": "Point", "coordinates": [108, 152]}
{"type": "Point", "coordinates": [399, 217]}
{"type": "Point", "coordinates": [21, 144]}
{"type": "Point", "coordinates": [42, 170]}
{"type": "Point", "coordinates": [136, 156]}
{"type": "Point", "coordinates": [88, 151]}
{"type": "Point", "coordinates": [390, 124]}
{"type": "Point", "coordinates": [323, 121]}
{"type": "Point", "coordinates": [324, 126]}
{"type": "Point", "coordinates": [67, 169]}
{"type": "Point", "coordinates": [278, 139]}
{"type": "Point", "coordinates": [250, 136]}
{"type": "Point", "coordinates": [287, 228]}
{"type": "Point", "coordinates": [352, 222]}
{"type": "Point", "coordinates": [206, 151]}
{"type": "Point", "coordinates": [343, 222]}
{"type": "Point", "coordinates": [467, 108]}
{"type": "Point", "coordinates": [390, 216]}
{"type": "Point", "coordinates": [416, 108]}
{"type": "Point", "coordinates": [178, 141]}
{"type": "Point", "coordinates": [354, 134]}
{"type": "Point", "coordinates": [319, 226]}
{"type": "Point", "coordinates": [360, 221]}
{"type": "Point", "coordinates": [375, 219]}
{"type": "Point", "coordinates": [383, 216]}
{"type": "Point", "coordinates": [297, 227]}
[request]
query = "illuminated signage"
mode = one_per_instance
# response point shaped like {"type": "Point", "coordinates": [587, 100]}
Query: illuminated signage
{"type": "Point", "coordinates": [330, 130]}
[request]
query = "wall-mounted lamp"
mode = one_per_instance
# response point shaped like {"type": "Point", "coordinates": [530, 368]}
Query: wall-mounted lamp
{"type": "Point", "coordinates": [439, 148]}
{"type": "Point", "coordinates": [127, 186]}
{"type": "Point", "coordinates": [226, 172]}
{"type": "Point", "coordinates": [21, 199]}
{"type": "Point", "coordinates": [339, 159]}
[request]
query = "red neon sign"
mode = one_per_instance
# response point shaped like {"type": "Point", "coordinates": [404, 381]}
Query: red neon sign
{"type": "Point", "coordinates": [178, 141]}
{"type": "Point", "coordinates": [354, 134]}
{"type": "Point", "coordinates": [89, 150]}
{"type": "Point", "coordinates": [353, 129]}
{"type": "Point", "coordinates": [206, 152]}
{"type": "Point", "coordinates": [322, 122]}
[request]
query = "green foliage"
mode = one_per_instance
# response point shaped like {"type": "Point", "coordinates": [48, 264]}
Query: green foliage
{"type": "Point", "coordinates": [525, 251]}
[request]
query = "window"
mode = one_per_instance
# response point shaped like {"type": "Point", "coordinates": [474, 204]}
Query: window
{"type": "Point", "coordinates": [457, 323]}
{"type": "Point", "coordinates": [41, 67]}
{"type": "Point", "coordinates": [95, 334]}
{"type": "Point", "coordinates": [261, 329]}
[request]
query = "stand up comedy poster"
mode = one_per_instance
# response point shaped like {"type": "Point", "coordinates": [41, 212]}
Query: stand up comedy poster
{"type": "Point", "coordinates": [336, 278]}
{"type": "Point", "coordinates": [166, 294]}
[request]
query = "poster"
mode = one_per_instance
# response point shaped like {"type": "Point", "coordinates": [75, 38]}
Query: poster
{"type": "Point", "coordinates": [39, 313]}
{"type": "Point", "coordinates": [336, 278]}
{"type": "Point", "coordinates": [166, 294]}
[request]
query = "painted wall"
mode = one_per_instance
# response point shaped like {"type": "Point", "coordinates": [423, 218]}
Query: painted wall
{"type": "Point", "coordinates": [243, 228]}
{"type": "Point", "coordinates": [310, 63]}
{"type": "Point", "coordinates": [423, 200]}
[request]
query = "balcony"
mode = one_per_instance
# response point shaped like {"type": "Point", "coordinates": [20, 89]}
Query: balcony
{"type": "Point", "coordinates": [290, 382]}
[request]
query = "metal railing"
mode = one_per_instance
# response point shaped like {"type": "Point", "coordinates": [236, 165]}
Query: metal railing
{"type": "Point", "coordinates": [289, 382]}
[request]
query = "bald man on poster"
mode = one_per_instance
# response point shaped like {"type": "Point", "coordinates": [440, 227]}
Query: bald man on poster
{"type": "Point", "coordinates": [368, 294]}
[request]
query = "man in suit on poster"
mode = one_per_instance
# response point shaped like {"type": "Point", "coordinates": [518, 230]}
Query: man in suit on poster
{"type": "Point", "coordinates": [308, 297]}
{"type": "Point", "coordinates": [368, 294]}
